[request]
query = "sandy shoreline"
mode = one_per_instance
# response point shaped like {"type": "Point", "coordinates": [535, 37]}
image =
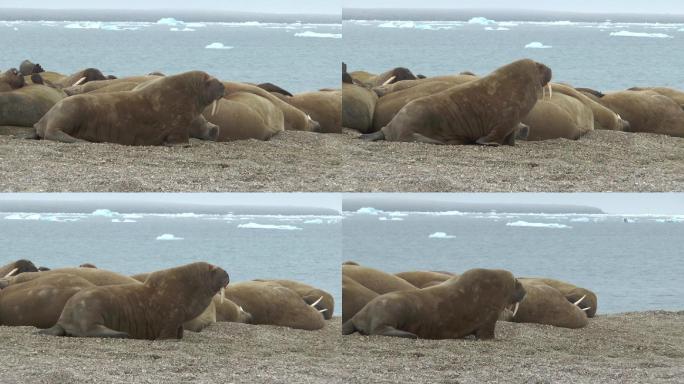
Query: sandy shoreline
{"type": "Point", "coordinates": [621, 348]}
{"type": "Point", "coordinates": [301, 161]}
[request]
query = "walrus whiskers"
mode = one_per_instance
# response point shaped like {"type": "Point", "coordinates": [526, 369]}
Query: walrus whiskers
{"type": "Point", "coordinates": [81, 80]}
{"type": "Point", "coordinates": [317, 301]}
{"type": "Point", "coordinates": [515, 310]}
{"type": "Point", "coordinates": [580, 300]}
{"type": "Point", "coordinates": [388, 81]}
{"type": "Point", "coordinates": [15, 270]}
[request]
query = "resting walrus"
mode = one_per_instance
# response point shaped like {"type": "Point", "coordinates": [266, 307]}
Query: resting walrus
{"type": "Point", "coordinates": [544, 304]}
{"type": "Point", "coordinates": [153, 310]}
{"type": "Point", "coordinates": [461, 306]}
{"type": "Point", "coordinates": [486, 111]}
{"type": "Point", "coordinates": [11, 79]}
{"type": "Point", "coordinates": [377, 281]}
{"type": "Point", "coordinates": [161, 112]}
{"type": "Point", "coordinates": [16, 267]}
{"type": "Point", "coordinates": [318, 298]}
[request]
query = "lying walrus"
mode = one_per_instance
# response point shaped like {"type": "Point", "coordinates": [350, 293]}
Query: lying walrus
{"type": "Point", "coordinates": [160, 112]}
{"type": "Point", "coordinates": [25, 106]}
{"type": "Point", "coordinates": [485, 111]}
{"type": "Point", "coordinates": [153, 310]}
{"type": "Point", "coordinates": [466, 305]}
{"type": "Point", "coordinates": [11, 79]}
{"type": "Point", "coordinates": [354, 297]}
{"type": "Point", "coordinates": [376, 280]}
{"type": "Point", "coordinates": [544, 304]}
{"type": "Point", "coordinates": [15, 268]}
{"type": "Point", "coordinates": [318, 298]}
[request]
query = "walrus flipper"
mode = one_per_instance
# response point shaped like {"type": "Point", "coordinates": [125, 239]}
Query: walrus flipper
{"type": "Point", "coordinates": [375, 136]}
{"type": "Point", "coordinates": [55, 330]}
{"type": "Point", "coordinates": [418, 138]}
{"type": "Point", "coordinates": [63, 137]}
{"type": "Point", "coordinates": [348, 328]}
{"type": "Point", "coordinates": [391, 331]}
{"type": "Point", "coordinates": [102, 331]}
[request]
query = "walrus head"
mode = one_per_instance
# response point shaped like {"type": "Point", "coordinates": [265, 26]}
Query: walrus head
{"type": "Point", "coordinates": [27, 68]}
{"type": "Point", "coordinates": [401, 73]}
{"type": "Point", "coordinates": [212, 91]}
{"type": "Point", "coordinates": [244, 316]}
{"type": "Point", "coordinates": [13, 78]}
{"type": "Point", "coordinates": [17, 267]}
{"type": "Point", "coordinates": [92, 74]}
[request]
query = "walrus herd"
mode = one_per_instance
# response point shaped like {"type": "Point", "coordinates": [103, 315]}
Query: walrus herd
{"type": "Point", "coordinates": [444, 305]}
{"type": "Point", "coordinates": [89, 302]}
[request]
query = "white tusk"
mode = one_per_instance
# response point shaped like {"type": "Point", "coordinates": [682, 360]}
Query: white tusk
{"type": "Point", "coordinates": [323, 310]}
{"type": "Point", "coordinates": [240, 306]}
{"type": "Point", "coordinates": [580, 300]}
{"type": "Point", "coordinates": [317, 301]}
{"type": "Point", "coordinates": [221, 293]}
{"type": "Point", "coordinates": [550, 91]}
{"type": "Point", "coordinates": [82, 79]}
{"type": "Point", "coordinates": [391, 79]}
{"type": "Point", "coordinates": [586, 309]}
{"type": "Point", "coordinates": [213, 107]}
{"type": "Point", "coordinates": [515, 310]}
{"type": "Point", "coordinates": [12, 272]}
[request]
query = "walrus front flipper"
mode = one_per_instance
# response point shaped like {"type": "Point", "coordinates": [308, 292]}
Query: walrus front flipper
{"type": "Point", "coordinates": [348, 328]}
{"type": "Point", "coordinates": [418, 138]}
{"type": "Point", "coordinates": [55, 330]}
{"type": "Point", "coordinates": [33, 135]}
{"type": "Point", "coordinates": [102, 331]}
{"type": "Point", "coordinates": [391, 331]}
{"type": "Point", "coordinates": [375, 136]}
{"type": "Point", "coordinates": [62, 137]}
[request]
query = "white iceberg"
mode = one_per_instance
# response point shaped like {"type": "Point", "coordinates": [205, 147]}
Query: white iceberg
{"type": "Point", "coordinates": [537, 45]}
{"type": "Point", "coordinates": [123, 221]}
{"type": "Point", "coordinates": [218, 46]}
{"type": "Point", "coordinates": [641, 34]}
{"type": "Point", "coordinates": [269, 226]}
{"type": "Point", "coordinates": [368, 211]}
{"type": "Point", "coordinates": [104, 213]}
{"type": "Point", "coordinates": [313, 221]}
{"type": "Point", "coordinates": [536, 225]}
{"type": "Point", "coordinates": [317, 34]}
{"type": "Point", "coordinates": [168, 236]}
{"type": "Point", "coordinates": [169, 21]}
{"type": "Point", "coordinates": [481, 20]}
{"type": "Point", "coordinates": [441, 235]}
{"type": "Point", "coordinates": [186, 29]}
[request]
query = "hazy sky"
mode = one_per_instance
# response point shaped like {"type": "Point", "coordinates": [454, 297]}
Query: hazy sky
{"type": "Point", "coordinates": [261, 6]}
{"type": "Point", "coordinates": [585, 6]}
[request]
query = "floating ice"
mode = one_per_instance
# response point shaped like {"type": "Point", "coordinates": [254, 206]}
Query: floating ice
{"type": "Point", "coordinates": [169, 21]}
{"type": "Point", "coordinates": [580, 220]}
{"type": "Point", "coordinates": [218, 46]}
{"type": "Point", "coordinates": [507, 24]}
{"type": "Point", "coordinates": [641, 34]}
{"type": "Point", "coordinates": [313, 221]}
{"type": "Point", "coordinates": [317, 34]}
{"type": "Point", "coordinates": [537, 45]}
{"type": "Point", "coordinates": [481, 20]}
{"type": "Point", "coordinates": [497, 29]}
{"type": "Point", "coordinates": [269, 226]}
{"type": "Point", "coordinates": [537, 225]}
{"type": "Point", "coordinates": [84, 25]}
{"type": "Point", "coordinates": [186, 29]}
{"type": "Point", "coordinates": [168, 236]}
{"type": "Point", "coordinates": [390, 219]}
{"type": "Point", "coordinates": [398, 214]}
{"type": "Point", "coordinates": [104, 213]}
{"type": "Point", "coordinates": [441, 235]}
{"type": "Point", "coordinates": [123, 221]}
{"type": "Point", "coordinates": [368, 211]}
{"type": "Point", "coordinates": [398, 24]}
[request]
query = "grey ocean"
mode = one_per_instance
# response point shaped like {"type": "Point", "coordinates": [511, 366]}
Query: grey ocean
{"type": "Point", "coordinates": [633, 263]}
{"type": "Point", "coordinates": [304, 248]}
{"type": "Point", "coordinates": [298, 56]}
{"type": "Point", "coordinates": [603, 55]}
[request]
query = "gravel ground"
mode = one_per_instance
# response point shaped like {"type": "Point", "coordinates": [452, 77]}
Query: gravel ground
{"type": "Point", "coordinates": [624, 348]}
{"type": "Point", "coordinates": [300, 161]}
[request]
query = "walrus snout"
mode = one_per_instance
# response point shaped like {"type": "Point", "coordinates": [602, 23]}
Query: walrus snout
{"type": "Point", "coordinates": [213, 132]}
{"type": "Point", "coordinates": [214, 90]}
{"type": "Point", "coordinates": [523, 132]}
{"type": "Point", "coordinates": [519, 293]}
{"type": "Point", "coordinates": [546, 74]}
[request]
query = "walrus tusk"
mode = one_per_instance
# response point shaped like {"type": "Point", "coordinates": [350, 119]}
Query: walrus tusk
{"type": "Point", "coordinates": [317, 301]}
{"type": "Point", "coordinates": [213, 107]}
{"type": "Point", "coordinates": [515, 310]}
{"type": "Point", "coordinates": [550, 91]}
{"type": "Point", "coordinates": [391, 79]}
{"type": "Point", "coordinates": [586, 309]}
{"type": "Point", "coordinates": [580, 300]}
{"type": "Point", "coordinates": [15, 270]}
{"type": "Point", "coordinates": [82, 79]}
{"type": "Point", "coordinates": [221, 293]}
{"type": "Point", "coordinates": [322, 310]}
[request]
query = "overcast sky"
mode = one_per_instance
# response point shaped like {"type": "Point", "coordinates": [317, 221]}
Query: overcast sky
{"type": "Point", "coordinates": [584, 6]}
{"type": "Point", "coordinates": [260, 6]}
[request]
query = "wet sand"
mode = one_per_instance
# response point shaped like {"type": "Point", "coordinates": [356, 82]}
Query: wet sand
{"type": "Point", "coordinates": [622, 348]}
{"type": "Point", "coordinates": [301, 161]}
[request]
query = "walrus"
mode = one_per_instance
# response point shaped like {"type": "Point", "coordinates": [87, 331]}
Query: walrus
{"type": "Point", "coordinates": [377, 281]}
{"type": "Point", "coordinates": [487, 111]}
{"type": "Point", "coordinates": [27, 68]}
{"type": "Point", "coordinates": [25, 106]}
{"type": "Point", "coordinates": [324, 107]}
{"type": "Point", "coordinates": [388, 77]}
{"type": "Point", "coordinates": [582, 297]}
{"type": "Point", "coordinates": [272, 304]}
{"type": "Point", "coordinates": [559, 116]}
{"type": "Point", "coordinates": [83, 76]}
{"type": "Point", "coordinates": [229, 312]}
{"type": "Point", "coordinates": [421, 279]}
{"type": "Point", "coordinates": [461, 306]}
{"type": "Point", "coordinates": [245, 115]}
{"type": "Point", "coordinates": [160, 113]}
{"type": "Point", "coordinates": [446, 82]}
{"type": "Point", "coordinates": [11, 79]}
{"type": "Point", "coordinates": [318, 298]}
{"type": "Point", "coordinates": [17, 267]}
{"type": "Point", "coordinates": [674, 94]}
{"type": "Point", "coordinates": [358, 107]}
{"type": "Point", "coordinates": [604, 118]}
{"type": "Point", "coordinates": [39, 302]}
{"type": "Point", "coordinates": [647, 111]}
{"type": "Point", "coordinates": [155, 309]}
{"type": "Point", "coordinates": [270, 87]}
{"type": "Point", "coordinates": [95, 276]}
{"type": "Point", "coordinates": [112, 84]}
{"type": "Point", "coordinates": [544, 304]}
{"type": "Point", "coordinates": [354, 297]}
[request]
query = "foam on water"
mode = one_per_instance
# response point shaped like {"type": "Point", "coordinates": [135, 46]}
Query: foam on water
{"type": "Point", "coordinates": [123, 221]}
{"type": "Point", "coordinates": [368, 211]}
{"type": "Point", "coordinates": [497, 29]}
{"type": "Point", "coordinates": [536, 225]}
{"type": "Point", "coordinates": [269, 226]}
{"type": "Point", "coordinates": [186, 29]}
{"type": "Point", "coordinates": [314, 221]}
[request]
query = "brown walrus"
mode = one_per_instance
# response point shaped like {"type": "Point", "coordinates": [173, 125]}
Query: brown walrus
{"type": "Point", "coordinates": [546, 305]}
{"type": "Point", "coordinates": [96, 85]}
{"type": "Point", "coordinates": [674, 94]}
{"type": "Point", "coordinates": [604, 118]}
{"type": "Point", "coordinates": [153, 310]}
{"type": "Point", "coordinates": [228, 311]}
{"type": "Point", "coordinates": [445, 81]}
{"type": "Point", "coordinates": [325, 107]}
{"type": "Point", "coordinates": [27, 68]}
{"type": "Point", "coordinates": [377, 281]}
{"type": "Point", "coordinates": [39, 302]}
{"type": "Point", "coordinates": [391, 76]}
{"type": "Point", "coordinates": [272, 88]}
{"type": "Point", "coordinates": [559, 116]}
{"type": "Point", "coordinates": [358, 107]}
{"type": "Point", "coordinates": [421, 279]}
{"type": "Point", "coordinates": [25, 106]}
{"type": "Point", "coordinates": [582, 297]}
{"type": "Point", "coordinates": [272, 304]}
{"type": "Point", "coordinates": [466, 305]}
{"type": "Point", "coordinates": [318, 298]}
{"type": "Point", "coordinates": [245, 115]}
{"type": "Point", "coordinates": [11, 79]}
{"type": "Point", "coordinates": [16, 267]}
{"type": "Point", "coordinates": [354, 297]}
{"type": "Point", "coordinates": [93, 275]}
{"type": "Point", "coordinates": [486, 111]}
{"type": "Point", "coordinates": [83, 76]}
{"type": "Point", "coordinates": [159, 113]}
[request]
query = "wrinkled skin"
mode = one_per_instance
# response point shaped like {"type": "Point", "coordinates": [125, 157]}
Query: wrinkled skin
{"type": "Point", "coordinates": [25, 106]}
{"type": "Point", "coordinates": [377, 281]}
{"type": "Point", "coordinates": [561, 116]}
{"type": "Point", "coordinates": [544, 304]}
{"type": "Point", "coordinates": [310, 295]}
{"type": "Point", "coordinates": [324, 107]}
{"type": "Point", "coordinates": [421, 279]}
{"type": "Point", "coordinates": [155, 309]}
{"type": "Point", "coordinates": [674, 94]}
{"type": "Point", "coordinates": [466, 305]}
{"type": "Point", "coordinates": [358, 107]}
{"type": "Point", "coordinates": [354, 297]}
{"type": "Point", "coordinates": [244, 115]}
{"type": "Point", "coordinates": [159, 113]}
{"type": "Point", "coordinates": [571, 292]}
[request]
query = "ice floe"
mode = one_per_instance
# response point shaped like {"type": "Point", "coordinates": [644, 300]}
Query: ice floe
{"type": "Point", "coordinates": [317, 34]}
{"type": "Point", "coordinates": [218, 46]}
{"type": "Point", "coordinates": [168, 236]}
{"type": "Point", "coordinates": [441, 235]}
{"type": "Point", "coordinates": [537, 45]}
{"type": "Point", "coordinates": [641, 34]}
{"type": "Point", "coordinates": [104, 213]}
{"type": "Point", "coordinates": [368, 211]}
{"type": "Point", "coordinates": [481, 20]}
{"type": "Point", "coordinates": [536, 225]}
{"type": "Point", "coordinates": [269, 226]}
{"type": "Point", "coordinates": [390, 219]}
